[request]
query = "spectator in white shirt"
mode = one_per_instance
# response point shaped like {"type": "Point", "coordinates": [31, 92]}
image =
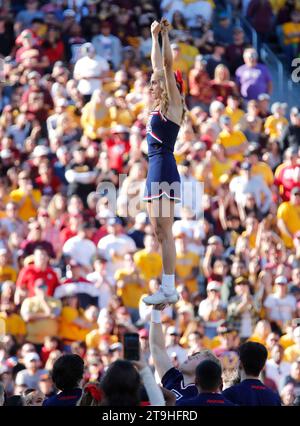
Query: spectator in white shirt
{"type": "Point", "coordinates": [89, 70]}
{"type": "Point", "coordinates": [173, 346]}
{"type": "Point", "coordinates": [280, 306]}
{"type": "Point", "coordinates": [115, 245]}
{"type": "Point", "coordinates": [81, 248]}
{"type": "Point", "coordinates": [246, 183]}
{"type": "Point", "coordinates": [276, 368]}
{"type": "Point", "coordinates": [102, 281]}
{"type": "Point", "coordinates": [108, 46]}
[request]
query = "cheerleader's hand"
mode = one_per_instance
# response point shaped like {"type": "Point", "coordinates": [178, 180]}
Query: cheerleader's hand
{"type": "Point", "coordinates": [165, 26]}
{"type": "Point", "coordinates": [155, 28]}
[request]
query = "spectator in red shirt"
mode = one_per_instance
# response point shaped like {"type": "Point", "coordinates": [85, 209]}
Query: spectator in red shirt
{"type": "Point", "coordinates": [47, 182]}
{"type": "Point", "coordinates": [288, 176]}
{"type": "Point", "coordinates": [39, 269]}
{"type": "Point", "coordinates": [199, 84]}
{"type": "Point", "coordinates": [35, 240]}
{"type": "Point", "coordinates": [72, 228]}
{"type": "Point", "coordinates": [36, 101]}
{"type": "Point", "coordinates": [53, 45]}
{"type": "Point", "coordinates": [118, 146]}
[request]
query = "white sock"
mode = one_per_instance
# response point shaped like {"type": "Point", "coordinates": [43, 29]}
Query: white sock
{"type": "Point", "coordinates": [168, 284]}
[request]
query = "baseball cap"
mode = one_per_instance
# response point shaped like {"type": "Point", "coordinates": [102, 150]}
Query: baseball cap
{"type": "Point", "coordinates": [296, 332]}
{"type": "Point", "coordinates": [253, 147]}
{"type": "Point", "coordinates": [61, 102]}
{"type": "Point", "coordinates": [33, 74]}
{"type": "Point", "coordinates": [225, 327]}
{"type": "Point", "coordinates": [281, 280]}
{"type": "Point", "coordinates": [172, 331]}
{"type": "Point", "coordinates": [31, 356]}
{"type": "Point", "coordinates": [120, 129]}
{"type": "Point", "coordinates": [116, 347]}
{"type": "Point", "coordinates": [241, 280]}
{"type": "Point", "coordinates": [115, 221]}
{"type": "Point", "coordinates": [213, 285]}
{"type": "Point", "coordinates": [295, 191]}
{"type": "Point", "coordinates": [215, 239]}
{"type": "Point", "coordinates": [264, 97]}
{"type": "Point", "coordinates": [142, 218]}
{"type": "Point", "coordinates": [5, 154]}
{"type": "Point", "coordinates": [74, 263]}
{"type": "Point", "coordinates": [69, 13]}
{"type": "Point", "coordinates": [175, 46]}
{"type": "Point", "coordinates": [40, 151]}
{"type": "Point", "coordinates": [276, 105]}
{"type": "Point", "coordinates": [295, 111]}
{"type": "Point", "coordinates": [245, 165]}
{"type": "Point", "coordinates": [87, 48]}
{"type": "Point", "coordinates": [120, 93]}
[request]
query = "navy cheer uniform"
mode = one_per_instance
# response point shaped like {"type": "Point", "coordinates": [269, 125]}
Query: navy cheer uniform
{"type": "Point", "coordinates": [173, 381]}
{"type": "Point", "coordinates": [163, 178]}
{"type": "Point", "coordinates": [252, 392]}
{"type": "Point", "coordinates": [206, 399]}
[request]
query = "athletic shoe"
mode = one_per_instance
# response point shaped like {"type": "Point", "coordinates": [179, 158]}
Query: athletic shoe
{"type": "Point", "coordinates": [161, 298]}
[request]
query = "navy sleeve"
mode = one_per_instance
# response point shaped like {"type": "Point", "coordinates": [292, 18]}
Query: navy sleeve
{"type": "Point", "coordinates": [171, 378]}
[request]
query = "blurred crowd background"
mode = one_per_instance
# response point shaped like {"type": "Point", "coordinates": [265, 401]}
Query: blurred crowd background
{"type": "Point", "coordinates": [74, 103]}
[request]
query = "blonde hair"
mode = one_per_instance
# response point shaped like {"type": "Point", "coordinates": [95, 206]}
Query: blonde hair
{"type": "Point", "coordinates": [218, 71]}
{"type": "Point", "coordinates": [164, 101]}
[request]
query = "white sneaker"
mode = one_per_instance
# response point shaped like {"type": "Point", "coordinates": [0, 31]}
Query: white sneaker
{"type": "Point", "coordinates": [160, 297]}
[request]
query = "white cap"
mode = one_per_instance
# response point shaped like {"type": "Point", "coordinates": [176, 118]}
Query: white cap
{"type": "Point", "coordinates": [281, 280]}
{"type": "Point", "coordinates": [31, 356]}
{"type": "Point", "coordinates": [296, 332]}
{"type": "Point", "coordinates": [6, 153]}
{"type": "Point", "coordinates": [277, 105]}
{"type": "Point", "coordinates": [213, 285]}
{"type": "Point", "coordinates": [141, 218]}
{"type": "Point", "coordinates": [40, 151]}
{"type": "Point", "coordinates": [119, 128]}
{"type": "Point", "coordinates": [69, 13]}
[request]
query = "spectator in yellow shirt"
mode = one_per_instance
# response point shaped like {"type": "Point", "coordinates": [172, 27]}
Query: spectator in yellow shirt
{"type": "Point", "coordinates": [95, 119]}
{"type": "Point", "coordinates": [26, 198]}
{"type": "Point", "coordinates": [259, 167]}
{"type": "Point", "coordinates": [7, 272]}
{"type": "Point", "coordinates": [276, 122]}
{"type": "Point", "coordinates": [291, 35]}
{"type": "Point", "coordinates": [288, 217]}
{"type": "Point", "coordinates": [187, 264]}
{"type": "Point", "coordinates": [234, 141]}
{"type": "Point", "coordinates": [103, 334]}
{"type": "Point", "coordinates": [292, 353]}
{"type": "Point", "coordinates": [119, 111]}
{"type": "Point", "coordinates": [180, 63]}
{"type": "Point", "coordinates": [233, 111]}
{"type": "Point", "coordinates": [10, 322]}
{"type": "Point", "coordinates": [75, 322]}
{"type": "Point", "coordinates": [218, 165]}
{"type": "Point", "coordinates": [131, 286]}
{"type": "Point", "coordinates": [40, 313]}
{"type": "Point", "coordinates": [149, 261]}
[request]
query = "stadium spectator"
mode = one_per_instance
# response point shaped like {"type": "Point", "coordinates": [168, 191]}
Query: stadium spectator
{"type": "Point", "coordinates": [253, 78]}
{"type": "Point", "coordinates": [251, 391]}
{"type": "Point", "coordinates": [209, 382]}
{"type": "Point", "coordinates": [67, 374]}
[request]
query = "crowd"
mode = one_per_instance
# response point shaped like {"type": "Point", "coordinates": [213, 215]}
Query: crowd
{"type": "Point", "coordinates": [76, 260]}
